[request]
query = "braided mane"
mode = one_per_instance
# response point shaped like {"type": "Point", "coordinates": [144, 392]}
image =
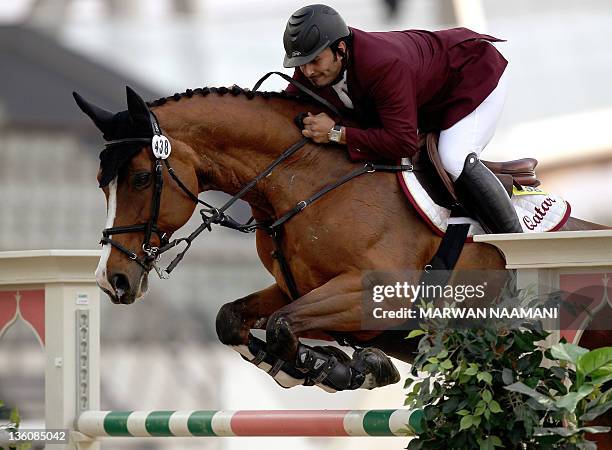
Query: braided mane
{"type": "Point", "coordinates": [234, 91]}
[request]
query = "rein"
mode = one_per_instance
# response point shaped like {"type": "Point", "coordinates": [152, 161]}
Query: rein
{"type": "Point", "coordinates": [211, 215]}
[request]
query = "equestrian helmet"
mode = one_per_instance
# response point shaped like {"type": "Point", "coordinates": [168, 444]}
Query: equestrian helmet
{"type": "Point", "coordinates": [309, 31]}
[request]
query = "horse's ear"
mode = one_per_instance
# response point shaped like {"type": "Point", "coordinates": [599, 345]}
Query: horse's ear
{"type": "Point", "coordinates": [136, 105]}
{"type": "Point", "coordinates": [101, 118]}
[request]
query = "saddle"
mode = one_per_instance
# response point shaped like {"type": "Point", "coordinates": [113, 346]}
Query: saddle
{"type": "Point", "coordinates": [436, 181]}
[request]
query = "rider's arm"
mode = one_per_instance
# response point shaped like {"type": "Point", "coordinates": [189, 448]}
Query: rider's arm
{"type": "Point", "coordinates": [395, 101]}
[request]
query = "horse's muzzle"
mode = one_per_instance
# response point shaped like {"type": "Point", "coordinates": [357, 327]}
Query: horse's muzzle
{"type": "Point", "coordinates": [122, 293]}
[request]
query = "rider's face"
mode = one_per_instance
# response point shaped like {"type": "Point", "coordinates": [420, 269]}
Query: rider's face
{"type": "Point", "coordinates": [325, 68]}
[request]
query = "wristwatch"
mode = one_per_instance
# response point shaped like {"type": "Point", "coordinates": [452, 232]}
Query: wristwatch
{"type": "Point", "coordinates": [335, 134]}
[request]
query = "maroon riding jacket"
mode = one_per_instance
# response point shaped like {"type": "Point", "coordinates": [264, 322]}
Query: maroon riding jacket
{"type": "Point", "coordinates": [401, 81]}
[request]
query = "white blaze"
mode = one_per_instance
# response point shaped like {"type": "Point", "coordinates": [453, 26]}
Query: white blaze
{"type": "Point", "coordinates": [101, 275]}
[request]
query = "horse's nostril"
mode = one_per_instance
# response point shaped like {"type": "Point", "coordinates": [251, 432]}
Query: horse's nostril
{"type": "Point", "coordinates": [121, 285]}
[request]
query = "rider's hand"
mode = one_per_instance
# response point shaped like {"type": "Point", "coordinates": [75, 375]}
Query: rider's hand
{"type": "Point", "coordinates": [317, 127]}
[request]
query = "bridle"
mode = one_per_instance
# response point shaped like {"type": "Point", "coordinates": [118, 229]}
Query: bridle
{"type": "Point", "coordinates": [151, 252]}
{"type": "Point", "coordinates": [161, 148]}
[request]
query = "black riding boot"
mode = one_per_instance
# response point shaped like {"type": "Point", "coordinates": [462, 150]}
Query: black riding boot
{"type": "Point", "coordinates": [483, 195]}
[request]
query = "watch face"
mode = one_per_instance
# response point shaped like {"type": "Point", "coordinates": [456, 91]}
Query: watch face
{"type": "Point", "coordinates": [335, 134]}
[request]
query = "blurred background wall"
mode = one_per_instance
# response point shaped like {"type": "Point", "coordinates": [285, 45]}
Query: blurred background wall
{"type": "Point", "coordinates": [162, 353]}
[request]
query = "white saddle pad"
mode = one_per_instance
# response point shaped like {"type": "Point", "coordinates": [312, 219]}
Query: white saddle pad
{"type": "Point", "coordinates": [537, 210]}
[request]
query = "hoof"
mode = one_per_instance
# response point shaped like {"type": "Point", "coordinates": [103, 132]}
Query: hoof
{"type": "Point", "coordinates": [281, 342]}
{"type": "Point", "coordinates": [378, 368]}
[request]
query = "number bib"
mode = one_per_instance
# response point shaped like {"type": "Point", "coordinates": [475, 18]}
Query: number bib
{"type": "Point", "coordinates": [161, 146]}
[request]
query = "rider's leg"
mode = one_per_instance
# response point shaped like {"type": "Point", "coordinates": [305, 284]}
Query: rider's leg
{"type": "Point", "coordinates": [460, 147]}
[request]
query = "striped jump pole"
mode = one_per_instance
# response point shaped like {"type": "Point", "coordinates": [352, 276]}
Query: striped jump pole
{"type": "Point", "coordinates": [374, 422]}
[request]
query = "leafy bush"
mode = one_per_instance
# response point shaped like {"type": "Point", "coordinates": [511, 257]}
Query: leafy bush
{"type": "Point", "coordinates": [487, 388]}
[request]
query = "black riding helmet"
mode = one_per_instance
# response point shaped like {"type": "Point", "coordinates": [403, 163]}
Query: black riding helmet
{"type": "Point", "coordinates": [309, 31]}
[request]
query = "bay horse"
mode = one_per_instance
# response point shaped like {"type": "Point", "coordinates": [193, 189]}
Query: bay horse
{"type": "Point", "coordinates": [222, 139]}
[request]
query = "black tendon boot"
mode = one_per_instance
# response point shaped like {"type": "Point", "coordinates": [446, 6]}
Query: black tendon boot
{"type": "Point", "coordinates": [483, 195]}
{"type": "Point", "coordinates": [328, 368]}
{"type": "Point", "coordinates": [332, 369]}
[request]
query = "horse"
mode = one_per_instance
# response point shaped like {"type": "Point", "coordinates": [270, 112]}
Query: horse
{"type": "Point", "coordinates": [222, 139]}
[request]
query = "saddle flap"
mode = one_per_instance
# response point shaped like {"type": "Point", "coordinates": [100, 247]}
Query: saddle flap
{"type": "Point", "coordinates": [434, 157]}
{"type": "Point", "coordinates": [429, 177]}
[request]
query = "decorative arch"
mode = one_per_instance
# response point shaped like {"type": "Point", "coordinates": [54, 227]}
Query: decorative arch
{"type": "Point", "coordinates": [27, 305]}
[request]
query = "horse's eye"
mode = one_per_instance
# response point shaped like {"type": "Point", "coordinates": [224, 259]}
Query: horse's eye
{"type": "Point", "coordinates": [141, 180]}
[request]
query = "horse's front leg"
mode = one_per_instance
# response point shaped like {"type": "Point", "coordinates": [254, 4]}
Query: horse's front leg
{"type": "Point", "coordinates": [235, 321]}
{"type": "Point", "coordinates": [333, 307]}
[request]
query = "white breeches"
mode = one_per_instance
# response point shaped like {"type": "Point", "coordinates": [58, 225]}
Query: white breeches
{"type": "Point", "coordinates": [473, 132]}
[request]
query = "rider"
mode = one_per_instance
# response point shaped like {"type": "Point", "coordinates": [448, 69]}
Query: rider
{"type": "Point", "coordinates": [400, 82]}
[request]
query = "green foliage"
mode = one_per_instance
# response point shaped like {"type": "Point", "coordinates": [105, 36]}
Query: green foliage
{"type": "Point", "coordinates": [487, 388]}
{"type": "Point", "coordinates": [12, 425]}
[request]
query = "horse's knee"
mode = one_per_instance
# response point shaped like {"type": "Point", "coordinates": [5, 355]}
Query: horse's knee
{"type": "Point", "coordinates": [230, 327]}
{"type": "Point", "coordinates": [280, 338]}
